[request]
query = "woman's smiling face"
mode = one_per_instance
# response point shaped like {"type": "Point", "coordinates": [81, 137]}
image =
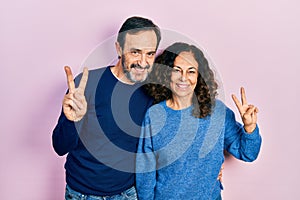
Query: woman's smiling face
{"type": "Point", "coordinates": [184, 75]}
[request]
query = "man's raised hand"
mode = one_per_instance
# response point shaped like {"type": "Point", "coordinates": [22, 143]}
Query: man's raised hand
{"type": "Point", "coordinates": [74, 103]}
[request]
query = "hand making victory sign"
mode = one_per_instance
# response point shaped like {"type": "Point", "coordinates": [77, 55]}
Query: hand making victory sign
{"type": "Point", "coordinates": [247, 111]}
{"type": "Point", "coordinates": [74, 103]}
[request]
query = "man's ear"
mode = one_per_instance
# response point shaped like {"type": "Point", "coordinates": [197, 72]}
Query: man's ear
{"type": "Point", "coordinates": [119, 49]}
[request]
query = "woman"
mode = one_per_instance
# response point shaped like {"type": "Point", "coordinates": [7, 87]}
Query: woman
{"type": "Point", "coordinates": [183, 137]}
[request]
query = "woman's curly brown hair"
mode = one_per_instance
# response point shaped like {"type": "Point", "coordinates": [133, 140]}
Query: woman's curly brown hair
{"type": "Point", "coordinates": [158, 82]}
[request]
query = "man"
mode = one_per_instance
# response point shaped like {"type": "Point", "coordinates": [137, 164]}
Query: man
{"type": "Point", "coordinates": [100, 122]}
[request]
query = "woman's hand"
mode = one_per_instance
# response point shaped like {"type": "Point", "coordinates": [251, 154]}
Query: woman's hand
{"type": "Point", "coordinates": [247, 111]}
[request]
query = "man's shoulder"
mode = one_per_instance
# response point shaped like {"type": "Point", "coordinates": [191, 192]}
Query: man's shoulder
{"type": "Point", "coordinates": [93, 78]}
{"type": "Point", "coordinates": [96, 73]}
{"type": "Point", "coordinates": [93, 74]}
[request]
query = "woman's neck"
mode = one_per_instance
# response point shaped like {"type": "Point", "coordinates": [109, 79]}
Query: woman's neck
{"type": "Point", "coordinates": [179, 103]}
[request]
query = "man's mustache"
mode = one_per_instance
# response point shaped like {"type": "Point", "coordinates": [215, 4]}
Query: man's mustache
{"type": "Point", "coordinates": [139, 66]}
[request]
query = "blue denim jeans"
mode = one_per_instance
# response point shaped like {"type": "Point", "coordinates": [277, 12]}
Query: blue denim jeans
{"type": "Point", "coordinates": [129, 194]}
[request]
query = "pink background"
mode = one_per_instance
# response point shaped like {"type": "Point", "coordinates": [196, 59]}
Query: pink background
{"type": "Point", "coordinates": [254, 44]}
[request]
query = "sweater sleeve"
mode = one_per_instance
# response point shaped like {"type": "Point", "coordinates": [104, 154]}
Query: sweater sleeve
{"type": "Point", "coordinates": [64, 136]}
{"type": "Point", "coordinates": [242, 145]}
{"type": "Point", "coordinates": [145, 163]}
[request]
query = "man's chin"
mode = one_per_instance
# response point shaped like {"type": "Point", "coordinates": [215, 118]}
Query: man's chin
{"type": "Point", "coordinates": [138, 78]}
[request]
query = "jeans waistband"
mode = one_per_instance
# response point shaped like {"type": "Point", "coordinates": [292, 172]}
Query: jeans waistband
{"type": "Point", "coordinates": [129, 194]}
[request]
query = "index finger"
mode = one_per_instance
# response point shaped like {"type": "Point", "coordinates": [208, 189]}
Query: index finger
{"type": "Point", "coordinates": [237, 102]}
{"type": "Point", "coordinates": [70, 79]}
{"type": "Point", "coordinates": [243, 96]}
{"type": "Point", "coordinates": [84, 79]}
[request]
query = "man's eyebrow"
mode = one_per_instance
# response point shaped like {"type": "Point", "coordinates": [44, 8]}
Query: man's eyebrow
{"type": "Point", "coordinates": [134, 49]}
{"type": "Point", "coordinates": [150, 52]}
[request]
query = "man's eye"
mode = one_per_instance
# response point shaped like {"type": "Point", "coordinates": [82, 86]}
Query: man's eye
{"type": "Point", "coordinates": [135, 53]}
{"type": "Point", "coordinates": [151, 54]}
{"type": "Point", "coordinates": [192, 72]}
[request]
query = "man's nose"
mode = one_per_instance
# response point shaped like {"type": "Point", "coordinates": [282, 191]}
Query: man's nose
{"type": "Point", "coordinates": [143, 60]}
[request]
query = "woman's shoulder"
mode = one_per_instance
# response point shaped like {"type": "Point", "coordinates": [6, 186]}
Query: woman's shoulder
{"type": "Point", "coordinates": [220, 106]}
{"type": "Point", "coordinates": [157, 109]}
{"type": "Point", "coordinates": [158, 106]}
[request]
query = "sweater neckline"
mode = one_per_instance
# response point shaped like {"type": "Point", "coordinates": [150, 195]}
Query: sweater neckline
{"type": "Point", "coordinates": [173, 110]}
{"type": "Point", "coordinates": [135, 85]}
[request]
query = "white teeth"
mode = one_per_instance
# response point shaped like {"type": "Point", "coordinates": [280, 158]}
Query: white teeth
{"type": "Point", "coordinates": [139, 69]}
{"type": "Point", "coordinates": [182, 85]}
